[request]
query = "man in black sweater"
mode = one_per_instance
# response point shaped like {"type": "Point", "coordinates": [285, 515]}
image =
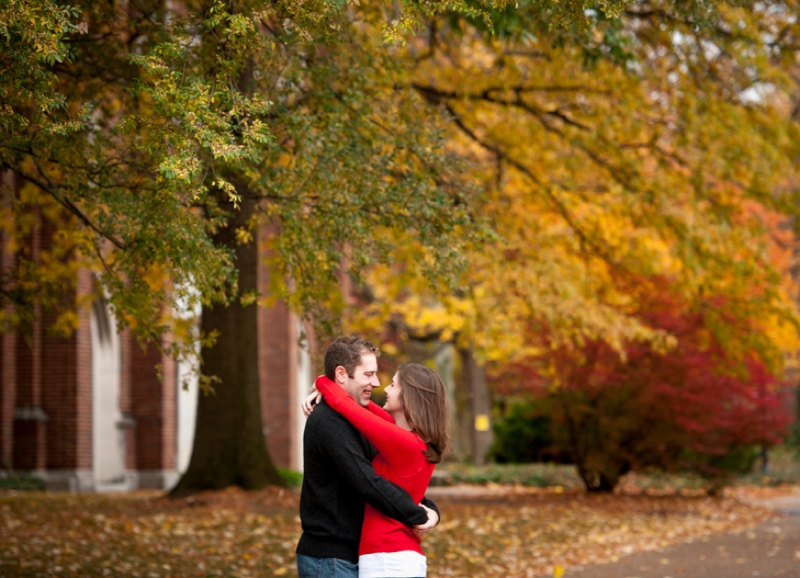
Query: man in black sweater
{"type": "Point", "coordinates": [339, 478]}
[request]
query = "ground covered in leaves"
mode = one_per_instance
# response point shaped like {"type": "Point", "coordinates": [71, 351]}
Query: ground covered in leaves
{"type": "Point", "coordinates": [487, 531]}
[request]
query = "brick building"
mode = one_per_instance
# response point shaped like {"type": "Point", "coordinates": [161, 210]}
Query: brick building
{"type": "Point", "coordinates": [92, 412]}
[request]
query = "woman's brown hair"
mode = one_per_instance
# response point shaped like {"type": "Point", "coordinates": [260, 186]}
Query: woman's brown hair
{"type": "Point", "coordinates": [425, 407]}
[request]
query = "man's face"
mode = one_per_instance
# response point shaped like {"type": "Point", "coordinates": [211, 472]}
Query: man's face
{"type": "Point", "coordinates": [364, 380]}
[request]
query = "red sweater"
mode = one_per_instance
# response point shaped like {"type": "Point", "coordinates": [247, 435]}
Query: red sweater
{"type": "Point", "coordinates": [400, 460]}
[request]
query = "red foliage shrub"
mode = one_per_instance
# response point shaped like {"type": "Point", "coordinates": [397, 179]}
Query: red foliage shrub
{"type": "Point", "coordinates": [695, 406]}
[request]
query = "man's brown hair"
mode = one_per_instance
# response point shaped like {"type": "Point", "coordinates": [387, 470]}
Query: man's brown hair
{"type": "Point", "coordinates": [347, 351]}
{"type": "Point", "coordinates": [425, 407]}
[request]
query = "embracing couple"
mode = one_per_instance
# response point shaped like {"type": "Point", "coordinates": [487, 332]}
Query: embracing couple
{"type": "Point", "coordinates": [366, 468]}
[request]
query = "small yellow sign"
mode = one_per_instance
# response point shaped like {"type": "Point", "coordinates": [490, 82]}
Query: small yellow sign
{"type": "Point", "coordinates": [482, 422]}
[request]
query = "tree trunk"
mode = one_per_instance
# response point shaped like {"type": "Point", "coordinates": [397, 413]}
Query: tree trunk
{"type": "Point", "coordinates": [229, 447]}
{"type": "Point", "coordinates": [599, 469]}
{"type": "Point", "coordinates": [482, 433]}
{"type": "Point", "coordinates": [601, 481]}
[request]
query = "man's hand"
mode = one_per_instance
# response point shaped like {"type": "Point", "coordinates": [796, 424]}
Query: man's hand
{"type": "Point", "coordinates": [421, 530]}
{"type": "Point", "coordinates": [308, 403]}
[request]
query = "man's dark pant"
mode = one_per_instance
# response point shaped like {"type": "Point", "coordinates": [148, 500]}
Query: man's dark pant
{"type": "Point", "coordinates": [308, 567]}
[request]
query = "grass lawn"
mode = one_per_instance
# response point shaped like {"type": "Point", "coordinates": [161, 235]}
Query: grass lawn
{"type": "Point", "coordinates": [495, 530]}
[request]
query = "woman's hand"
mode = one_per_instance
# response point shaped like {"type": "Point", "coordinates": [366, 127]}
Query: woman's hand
{"type": "Point", "coordinates": [311, 400]}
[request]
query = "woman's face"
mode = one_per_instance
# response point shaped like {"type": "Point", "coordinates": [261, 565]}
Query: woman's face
{"type": "Point", "coordinates": [394, 401]}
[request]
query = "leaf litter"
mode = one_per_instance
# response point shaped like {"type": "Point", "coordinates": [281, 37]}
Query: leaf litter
{"type": "Point", "coordinates": [491, 531]}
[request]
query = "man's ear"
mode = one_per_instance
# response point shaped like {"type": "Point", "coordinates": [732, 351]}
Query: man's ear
{"type": "Point", "coordinates": [340, 373]}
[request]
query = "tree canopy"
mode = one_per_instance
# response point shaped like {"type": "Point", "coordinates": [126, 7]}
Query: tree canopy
{"type": "Point", "coordinates": [126, 125]}
{"type": "Point", "coordinates": [127, 121]}
{"type": "Point", "coordinates": [659, 145]}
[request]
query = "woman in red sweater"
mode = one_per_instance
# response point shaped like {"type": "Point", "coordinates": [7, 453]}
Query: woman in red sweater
{"type": "Point", "coordinates": [411, 435]}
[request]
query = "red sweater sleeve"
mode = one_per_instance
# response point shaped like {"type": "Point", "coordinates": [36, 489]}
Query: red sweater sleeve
{"type": "Point", "coordinates": [392, 442]}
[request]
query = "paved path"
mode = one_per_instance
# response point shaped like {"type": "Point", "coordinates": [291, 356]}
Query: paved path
{"type": "Point", "coordinates": [770, 549]}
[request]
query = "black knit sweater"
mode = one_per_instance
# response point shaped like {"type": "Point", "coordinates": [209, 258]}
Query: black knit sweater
{"type": "Point", "coordinates": [338, 479]}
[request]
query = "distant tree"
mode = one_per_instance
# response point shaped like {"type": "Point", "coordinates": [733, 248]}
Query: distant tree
{"type": "Point", "coordinates": [693, 407]}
